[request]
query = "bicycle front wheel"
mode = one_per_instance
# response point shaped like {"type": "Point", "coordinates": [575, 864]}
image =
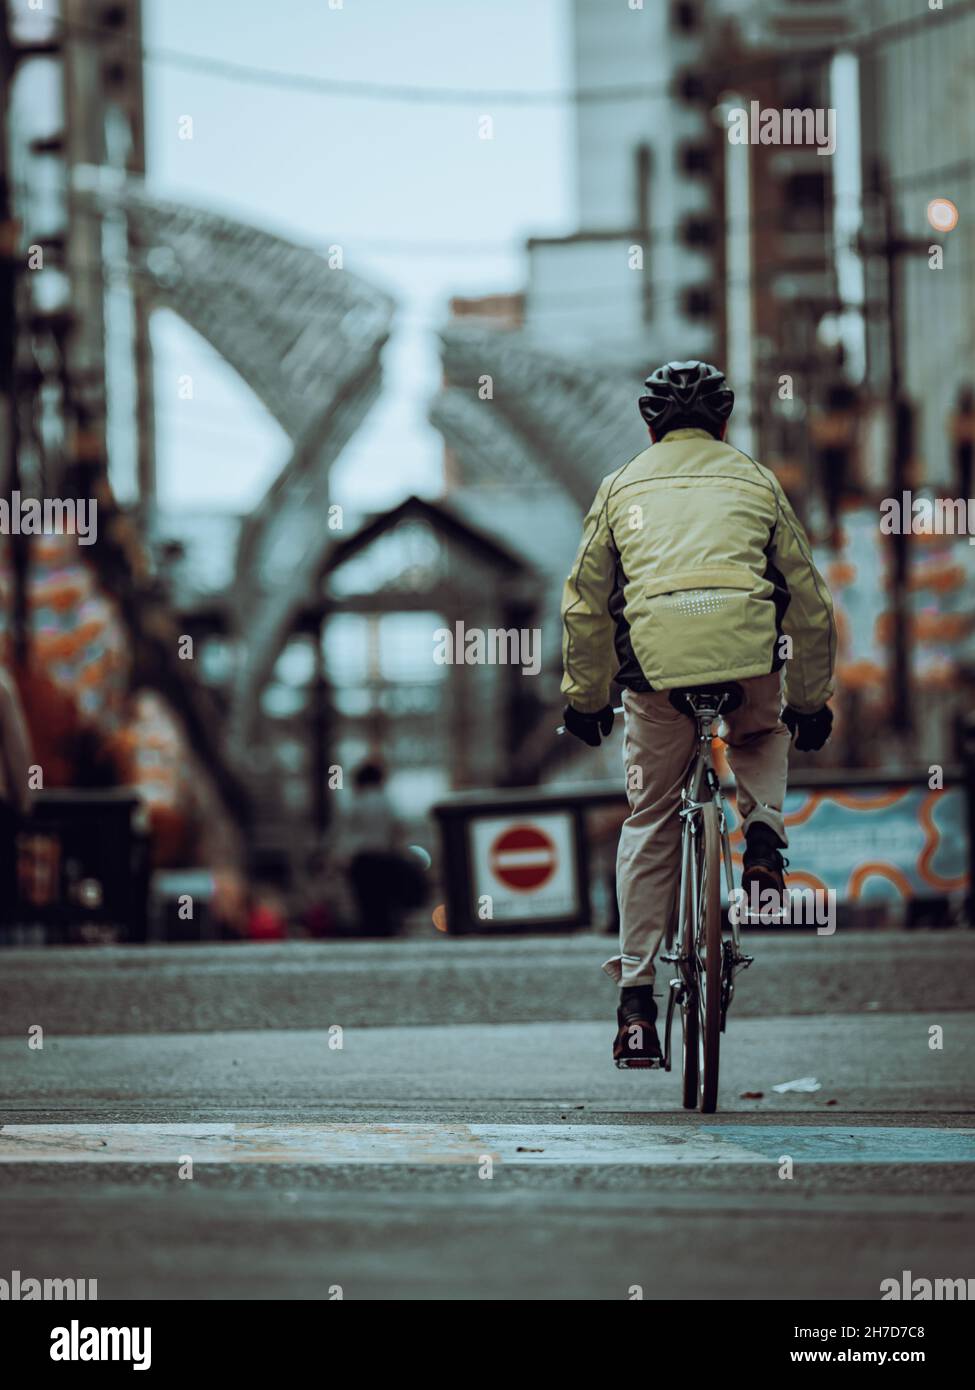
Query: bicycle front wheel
{"type": "Point", "coordinates": [691, 1047]}
{"type": "Point", "coordinates": [690, 1007]}
{"type": "Point", "coordinates": [710, 956]}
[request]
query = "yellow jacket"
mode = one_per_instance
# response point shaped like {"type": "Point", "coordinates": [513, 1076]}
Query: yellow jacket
{"type": "Point", "coordinates": [693, 567]}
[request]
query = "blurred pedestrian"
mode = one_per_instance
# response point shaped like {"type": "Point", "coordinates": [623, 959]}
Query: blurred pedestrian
{"type": "Point", "coordinates": [322, 889]}
{"type": "Point", "coordinates": [384, 879]}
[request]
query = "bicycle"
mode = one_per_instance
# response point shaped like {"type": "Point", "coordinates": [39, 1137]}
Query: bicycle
{"type": "Point", "coordinates": [707, 961]}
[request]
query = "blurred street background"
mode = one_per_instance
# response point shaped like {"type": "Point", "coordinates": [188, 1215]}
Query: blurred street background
{"type": "Point", "coordinates": [333, 316]}
{"type": "Point", "coordinates": [342, 351]}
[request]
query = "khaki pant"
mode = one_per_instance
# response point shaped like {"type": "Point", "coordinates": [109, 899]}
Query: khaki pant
{"type": "Point", "coordinates": [659, 742]}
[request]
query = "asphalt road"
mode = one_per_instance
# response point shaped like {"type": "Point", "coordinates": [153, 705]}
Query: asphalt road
{"type": "Point", "coordinates": [206, 988]}
{"type": "Point", "coordinates": [398, 1150]}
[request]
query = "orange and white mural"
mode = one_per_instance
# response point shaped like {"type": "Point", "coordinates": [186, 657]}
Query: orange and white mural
{"type": "Point", "coordinates": [885, 844]}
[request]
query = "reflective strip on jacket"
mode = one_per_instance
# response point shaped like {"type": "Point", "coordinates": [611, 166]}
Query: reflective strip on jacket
{"type": "Point", "coordinates": [692, 567]}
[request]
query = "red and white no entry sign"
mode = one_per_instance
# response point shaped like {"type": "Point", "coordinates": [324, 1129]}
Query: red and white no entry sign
{"type": "Point", "coordinates": [523, 858]}
{"type": "Point", "coordinates": [523, 867]}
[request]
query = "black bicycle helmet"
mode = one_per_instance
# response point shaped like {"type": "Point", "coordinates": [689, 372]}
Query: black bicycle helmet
{"type": "Point", "coordinates": [686, 395]}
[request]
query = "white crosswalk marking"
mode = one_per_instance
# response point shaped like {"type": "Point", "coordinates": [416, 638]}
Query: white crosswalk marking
{"type": "Point", "coordinates": [544, 1144]}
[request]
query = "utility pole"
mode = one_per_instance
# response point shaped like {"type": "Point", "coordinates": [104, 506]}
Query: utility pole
{"type": "Point", "coordinates": [894, 245]}
{"type": "Point", "coordinates": [739, 294]}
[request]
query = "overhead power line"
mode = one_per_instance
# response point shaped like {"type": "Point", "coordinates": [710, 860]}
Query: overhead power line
{"type": "Point", "coordinates": [450, 96]}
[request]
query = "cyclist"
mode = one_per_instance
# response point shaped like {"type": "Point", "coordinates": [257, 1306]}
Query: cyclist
{"type": "Point", "coordinates": [693, 569]}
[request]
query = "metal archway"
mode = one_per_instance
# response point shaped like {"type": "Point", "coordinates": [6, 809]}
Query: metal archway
{"type": "Point", "coordinates": [306, 336]}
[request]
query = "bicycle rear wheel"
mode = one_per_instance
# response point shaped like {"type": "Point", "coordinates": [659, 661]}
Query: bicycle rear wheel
{"type": "Point", "coordinates": [709, 948]}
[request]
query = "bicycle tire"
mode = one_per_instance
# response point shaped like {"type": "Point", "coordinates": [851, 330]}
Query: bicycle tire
{"type": "Point", "coordinates": [690, 1004]}
{"type": "Point", "coordinates": [710, 939]}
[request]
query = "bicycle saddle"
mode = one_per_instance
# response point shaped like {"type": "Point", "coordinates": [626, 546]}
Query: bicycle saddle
{"type": "Point", "coordinates": [693, 700]}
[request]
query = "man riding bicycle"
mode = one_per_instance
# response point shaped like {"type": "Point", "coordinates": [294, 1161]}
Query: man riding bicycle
{"type": "Point", "coordinates": [693, 569]}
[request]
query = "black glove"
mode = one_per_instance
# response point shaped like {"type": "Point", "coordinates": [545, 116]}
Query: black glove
{"type": "Point", "coordinates": [811, 730]}
{"type": "Point", "coordinates": [589, 726]}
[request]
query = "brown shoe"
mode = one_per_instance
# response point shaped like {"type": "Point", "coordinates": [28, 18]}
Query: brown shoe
{"type": "Point", "coordinates": [763, 877]}
{"type": "Point", "coordinates": [636, 1044]}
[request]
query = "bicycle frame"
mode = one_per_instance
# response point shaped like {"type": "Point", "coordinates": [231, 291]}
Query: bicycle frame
{"type": "Point", "coordinates": [701, 786]}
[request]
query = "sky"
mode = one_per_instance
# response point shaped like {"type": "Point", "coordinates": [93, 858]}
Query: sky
{"type": "Point", "coordinates": [397, 183]}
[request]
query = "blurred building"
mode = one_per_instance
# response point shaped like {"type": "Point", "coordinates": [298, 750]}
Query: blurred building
{"type": "Point", "coordinates": [75, 103]}
{"type": "Point", "coordinates": [918, 119]}
{"type": "Point", "coordinates": [626, 285]}
{"type": "Point", "coordinates": [738, 243]}
{"type": "Point", "coordinates": [807, 274]}
{"type": "Point", "coordinates": [200, 608]}
{"type": "Point", "coordinates": [86, 628]}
